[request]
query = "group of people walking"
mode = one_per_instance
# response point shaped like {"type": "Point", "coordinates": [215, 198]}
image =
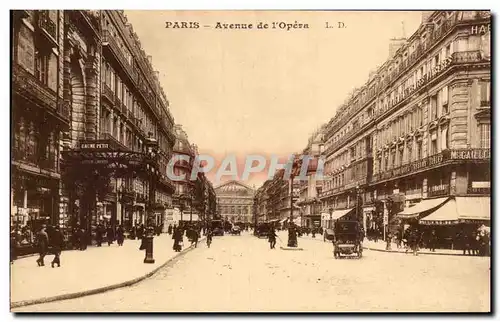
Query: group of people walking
{"type": "Point", "coordinates": [53, 240]}
{"type": "Point", "coordinates": [192, 232]}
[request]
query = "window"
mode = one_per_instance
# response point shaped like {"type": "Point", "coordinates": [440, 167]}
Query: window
{"type": "Point", "coordinates": [434, 147]}
{"type": "Point", "coordinates": [433, 107]}
{"type": "Point", "coordinates": [419, 151]}
{"type": "Point", "coordinates": [448, 51]}
{"type": "Point", "coordinates": [409, 154]}
{"type": "Point", "coordinates": [42, 66]}
{"type": "Point", "coordinates": [401, 156]}
{"type": "Point", "coordinates": [484, 90]}
{"type": "Point", "coordinates": [485, 135]}
{"type": "Point", "coordinates": [444, 99]}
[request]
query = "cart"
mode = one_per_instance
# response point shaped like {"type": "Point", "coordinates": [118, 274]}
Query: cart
{"type": "Point", "coordinates": [347, 240]}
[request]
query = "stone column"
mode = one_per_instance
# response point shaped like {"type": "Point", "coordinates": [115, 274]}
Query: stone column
{"type": "Point", "coordinates": [92, 68]}
{"type": "Point", "coordinates": [424, 189]}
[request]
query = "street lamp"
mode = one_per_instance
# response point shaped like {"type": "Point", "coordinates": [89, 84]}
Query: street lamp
{"type": "Point", "coordinates": [331, 215]}
{"type": "Point", "coordinates": [152, 148]}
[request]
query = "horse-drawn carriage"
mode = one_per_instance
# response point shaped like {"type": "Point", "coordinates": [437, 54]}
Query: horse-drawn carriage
{"type": "Point", "coordinates": [347, 239]}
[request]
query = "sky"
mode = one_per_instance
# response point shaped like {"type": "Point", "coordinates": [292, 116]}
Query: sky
{"type": "Point", "coordinates": [263, 91]}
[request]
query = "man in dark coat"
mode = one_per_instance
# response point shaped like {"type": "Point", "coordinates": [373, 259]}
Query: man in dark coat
{"type": "Point", "coordinates": [57, 243]}
{"type": "Point", "coordinates": [82, 239]}
{"type": "Point", "coordinates": [43, 245]}
{"type": "Point", "coordinates": [99, 235]}
{"type": "Point", "coordinates": [194, 237]}
{"type": "Point", "coordinates": [110, 235]}
{"type": "Point", "coordinates": [271, 237]}
{"type": "Point", "coordinates": [120, 235]}
{"type": "Point", "coordinates": [169, 230]}
{"type": "Point", "coordinates": [177, 237]}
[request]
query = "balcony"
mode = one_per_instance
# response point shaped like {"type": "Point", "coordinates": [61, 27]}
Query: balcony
{"type": "Point", "coordinates": [109, 137]}
{"type": "Point", "coordinates": [28, 86]}
{"type": "Point", "coordinates": [421, 49]}
{"type": "Point", "coordinates": [108, 94]}
{"type": "Point", "coordinates": [47, 26]}
{"type": "Point", "coordinates": [109, 43]}
{"type": "Point", "coordinates": [442, 158]}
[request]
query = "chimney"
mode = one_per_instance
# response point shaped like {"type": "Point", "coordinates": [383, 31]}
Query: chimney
{"type": "Point", "coordinates": [150, 59]}
{"type": "Point", "coordinates": [394, 45]}
{"type": "Point", "coordinates": [426, 15]}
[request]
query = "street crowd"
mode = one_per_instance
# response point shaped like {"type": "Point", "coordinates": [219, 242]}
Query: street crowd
{"type": "Point", "coordinates": [51, 240]}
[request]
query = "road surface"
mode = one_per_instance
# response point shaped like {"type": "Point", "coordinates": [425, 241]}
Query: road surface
{"type": "Point", "coordinates": [241, 273]}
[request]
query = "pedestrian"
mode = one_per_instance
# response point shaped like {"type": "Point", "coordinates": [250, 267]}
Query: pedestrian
{"type": "Point", "coordinates": [57, 242]}
{"type": "Point", "coordinates": [83, 239]}
{"type": "Point", "coordinates": [120, 235]}
{"type": "Point", "coordinates": [399, 237]}
{"type": "Point", "coordinates": [432, 241]}
{"type": "Point", "coordinates": [169, 230]}
{"type": "Point", "coordinates": [110, 235]}
{"type": "Point", "coordinates": [178, 238]}
{"type": "Point", "coordinates": [99, 235]}
{"type": "Point", "coordinates": [13, 246]}
{"type": "Point", "coordinates": [271, 237]}
{"type": "Point", "coordinates": [209, 234]}
{"type": "Point", "coordinates": [43, 245]}
{"type": "Point", "coordinates": [194, 238]}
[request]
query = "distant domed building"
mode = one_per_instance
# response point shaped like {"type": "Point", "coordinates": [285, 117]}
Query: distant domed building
{"type": "Point", "coordinates": [235, 200]}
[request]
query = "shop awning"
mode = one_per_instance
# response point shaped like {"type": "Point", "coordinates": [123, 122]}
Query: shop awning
{"type": "Point", "coordinates": [460, 209]}
{"type": "Point", "coordinates": [340, 213]}
{"type": "Point", "coordinates": [444, 215]}
{"type": "Point", "coordinates": [422, 206]}
{"type": "Point", "coordinates": [473, 208]}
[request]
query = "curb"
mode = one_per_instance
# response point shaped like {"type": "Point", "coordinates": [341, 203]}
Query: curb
{"type": "Point", "coordinates": [420, 253]}
{"type": "Point", "coordinates": [103, 289]}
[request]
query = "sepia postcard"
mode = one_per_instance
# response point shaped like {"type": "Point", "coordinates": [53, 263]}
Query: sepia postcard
{"type": "Point", "coordinates": [250, 161]}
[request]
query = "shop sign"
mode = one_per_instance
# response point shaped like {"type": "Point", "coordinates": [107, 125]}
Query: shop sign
{"type": "Point", "coordinates": [471, 154]}
{"type": "Point", "coordinates": [94, 146]}
{"type": "Point", "coordinates": [480, 29]}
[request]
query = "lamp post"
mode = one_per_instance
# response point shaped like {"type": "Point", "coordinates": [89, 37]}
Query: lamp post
{"type": "Point", "coordinates": [191, 209]}
{"type": "Point", "coordinates": [331, 215]}
{"type": "Point", "coordinates": [151, 145]}
{"type": "Point", "coordinates": [292, 234]}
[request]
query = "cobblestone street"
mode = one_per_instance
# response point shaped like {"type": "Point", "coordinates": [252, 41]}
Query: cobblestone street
{"type": "Point", "coordinates": [241, 273]}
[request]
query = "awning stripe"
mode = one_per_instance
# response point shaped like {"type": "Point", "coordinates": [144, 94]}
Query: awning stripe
{"type": "Point", "coordinates": [460, 210]}
{"type": "Point", "coordinates": [423, 206]}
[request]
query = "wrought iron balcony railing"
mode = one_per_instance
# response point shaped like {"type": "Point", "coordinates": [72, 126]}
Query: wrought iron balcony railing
{"type": "Point", "coordinates": [45, 23]}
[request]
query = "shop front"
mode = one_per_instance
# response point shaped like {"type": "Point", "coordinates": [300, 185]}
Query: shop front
{"type": "Point", "coordinates": [458, 217]}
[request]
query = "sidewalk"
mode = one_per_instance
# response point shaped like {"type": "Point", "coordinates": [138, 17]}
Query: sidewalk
{"type": "Point", "coordinates": [96, 270]}
{"type": "Point", "coordinates": [380, 246]}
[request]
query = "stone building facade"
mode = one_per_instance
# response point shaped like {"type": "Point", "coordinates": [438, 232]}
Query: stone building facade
{"type": "Point", "coordinates": [92, 131]}
{"type": "Point", "coordinates": [235, 201]}
{"type": "Point", "coordinates": [419, 129]}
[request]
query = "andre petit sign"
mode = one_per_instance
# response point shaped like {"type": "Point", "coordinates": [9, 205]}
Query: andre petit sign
{"type": "Point", "coordinates": [94, 146]}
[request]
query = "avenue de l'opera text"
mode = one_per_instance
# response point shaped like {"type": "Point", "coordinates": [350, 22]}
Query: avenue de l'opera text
{"type": "Point", "coordinates": [235, 26]}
